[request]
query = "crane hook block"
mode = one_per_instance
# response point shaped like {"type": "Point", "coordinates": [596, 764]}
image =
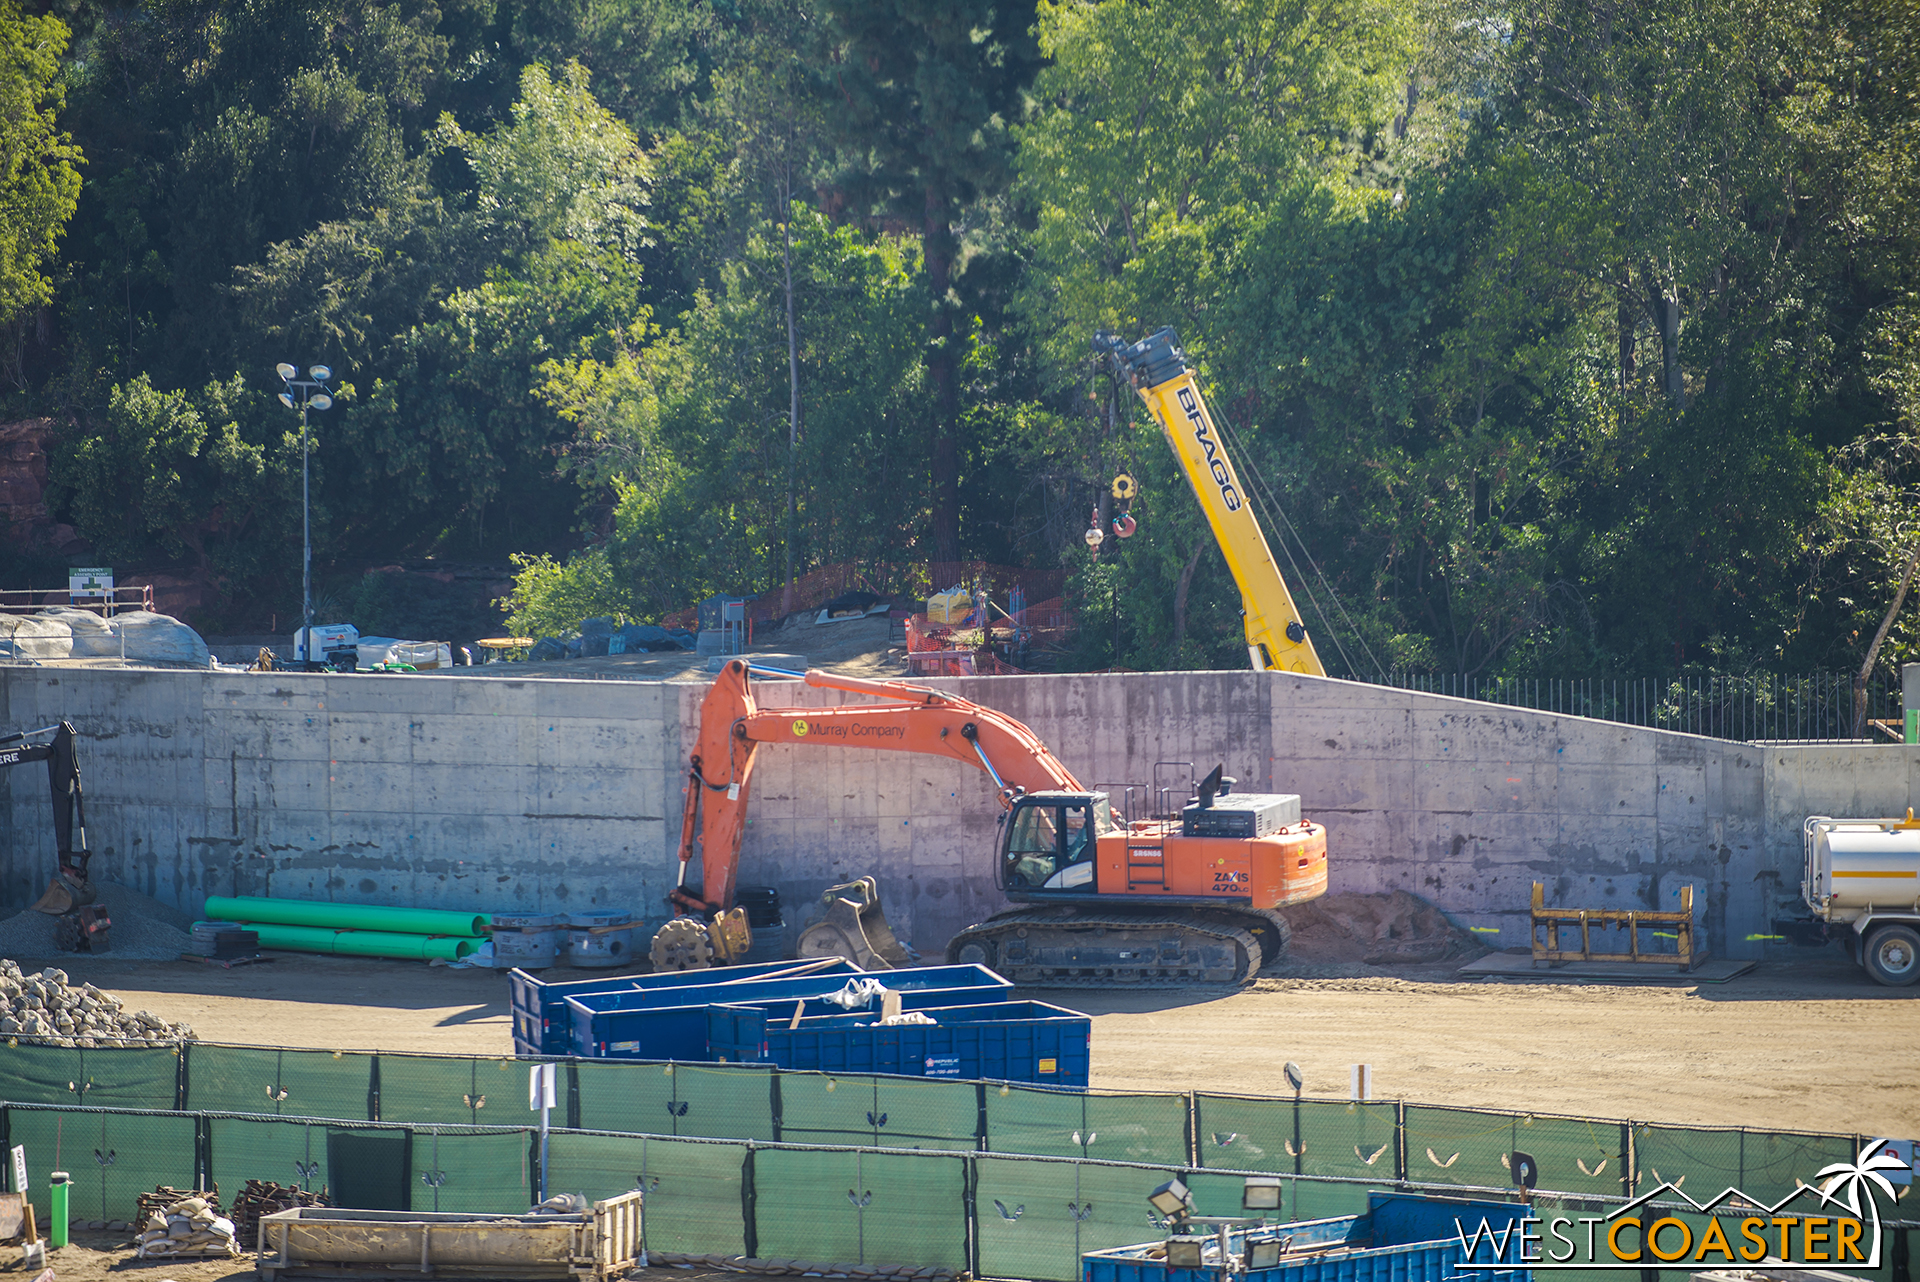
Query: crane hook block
{"type": "Point", "coordinates": [1124, 488]}
{"type": "Point", "coordinates": [1124, 526]}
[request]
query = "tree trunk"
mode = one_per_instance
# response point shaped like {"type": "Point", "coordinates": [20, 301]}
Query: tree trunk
{"type": "Point", "coordinates": [1873, 651]}
{"type": "Point", "coordinates": [1666, 318]}
{"type": "Point", "coordinates": [936, 240]}
{"type": "Point", "coordinates": [793, 383]}
{"type": "Point", "coordinates": [1180, 592]}
{"type": "Point", "coordinates": [1627, 319]}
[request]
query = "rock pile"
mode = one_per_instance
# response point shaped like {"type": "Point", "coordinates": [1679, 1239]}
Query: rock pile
{"type": "Point", "coordinates": [187, 1228]}
{"type": "Point", "coordinates": [47, 1007]}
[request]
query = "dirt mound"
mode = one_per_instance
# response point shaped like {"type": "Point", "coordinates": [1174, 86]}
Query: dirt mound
{"type": "Point", "coordinates": [1396, 929]}
{"type": "Point", "coordinates": [144, 929]}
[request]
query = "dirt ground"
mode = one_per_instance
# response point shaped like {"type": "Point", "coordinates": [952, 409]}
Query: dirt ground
{"type": "Point", "coordinates": [1805, 1045]}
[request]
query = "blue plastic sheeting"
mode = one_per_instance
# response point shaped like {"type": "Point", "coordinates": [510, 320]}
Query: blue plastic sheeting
{"type": "Point", "coordinates": [1403, 1237]}
{"type": "Point", "coordinates": [671, 1023]}
{"type": "Point", "coordinates": [542, 1026]}
{"type": "Point", "coordinates": [1006, 1041]}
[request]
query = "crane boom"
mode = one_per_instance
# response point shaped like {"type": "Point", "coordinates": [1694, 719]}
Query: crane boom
{"type": "Point", "coordinates": [1157, 368]}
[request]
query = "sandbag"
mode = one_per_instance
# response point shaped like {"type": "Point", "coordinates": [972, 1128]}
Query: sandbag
{"type": "Point", "coordinates": [26, 636]}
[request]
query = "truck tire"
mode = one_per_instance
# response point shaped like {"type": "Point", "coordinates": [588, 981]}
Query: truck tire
{"type": "Point", "coordinates": [1893, 955]}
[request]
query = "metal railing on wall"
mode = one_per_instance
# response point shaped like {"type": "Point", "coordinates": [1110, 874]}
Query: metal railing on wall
{"type": "Point", "coordinates": [1747, 708]}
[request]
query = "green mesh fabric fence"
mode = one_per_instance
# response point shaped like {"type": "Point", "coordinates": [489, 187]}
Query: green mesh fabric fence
{"type": "Point", "coordinates": [472, 1171]}
{"type": "Point", "coordinates": [440, 1091]}
{"type": "Point", "coordinates": [111, 1156]}
{"type": "Point", "coordinates": [253, 1079]}
{"type": "Point", "coordinates": [710, 1100]}
{"type": "Point", "coordinates": [1764, 1165]}
{"type": "Point", "coordinates": [1116, 1128]}
{"type": "Point", "coordinates": [241, 1149]}
{"type": "Point", "coordinates": [1462, 1146]}
{"type": "Point", "coordinates": [1300, 1199]}
{"type": "Point", "coordinates": [821, 1108]}
{"type": "Point", "coordinates": [110, 1077]}
{"type": "Point", "coordinates": [1311, 1137]}
{"type": "Point", "coordinates": [693, 1190]}
{"type": "Point", "coordinates": [860, 1208]}
{"type": "Point", "coordinates": [1036, 1218]}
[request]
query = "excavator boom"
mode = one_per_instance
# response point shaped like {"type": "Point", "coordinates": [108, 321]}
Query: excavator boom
{"type": "Point", "coordinates": [1155, 366]}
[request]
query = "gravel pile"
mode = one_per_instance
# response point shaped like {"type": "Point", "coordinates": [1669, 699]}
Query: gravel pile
{"type": "Point", "coordinates": [144, 929]}
{"type": "Point", "coordinates": [46, 1006]}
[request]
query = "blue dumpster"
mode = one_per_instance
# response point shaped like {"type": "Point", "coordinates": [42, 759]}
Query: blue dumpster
{"type": "Point", "coordinates": [542, 1024]}
{"type": "Point", "coordinates": [1006, 1041]}
{"type": "Point", "coordinates": [1403, 1237]}
{"type": "Point", "coordinates": [672, 1023]}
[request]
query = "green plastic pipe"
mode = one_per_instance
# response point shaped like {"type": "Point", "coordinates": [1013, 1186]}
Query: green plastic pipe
{"type": "Point", "coordinates": [362, 943]}
{"type": "Point", "coordinates": [307, 912]}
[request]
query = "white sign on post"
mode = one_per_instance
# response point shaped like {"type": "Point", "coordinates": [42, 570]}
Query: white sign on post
{"type": "Point", "coordinates": [19, 1168]}
{"type": "Point", "coordinates": [90, 581]}
{"type": "Point", "coordinates": [540, 1087]}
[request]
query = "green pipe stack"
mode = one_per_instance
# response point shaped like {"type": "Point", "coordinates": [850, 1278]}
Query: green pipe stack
{"type": "Point", "coordinates": [353, 930]}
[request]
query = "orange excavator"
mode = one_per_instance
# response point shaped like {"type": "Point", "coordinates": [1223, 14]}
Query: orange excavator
{"type": "Point", "coordinates": [1102, 898]}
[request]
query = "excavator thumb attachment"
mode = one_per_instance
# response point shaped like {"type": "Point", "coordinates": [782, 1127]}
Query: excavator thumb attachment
{"type": "Point", "coordinates": [855, 927]}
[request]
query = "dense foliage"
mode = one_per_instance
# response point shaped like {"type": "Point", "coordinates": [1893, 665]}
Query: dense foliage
{"type": "Point", "coordinates": [1569, 335]}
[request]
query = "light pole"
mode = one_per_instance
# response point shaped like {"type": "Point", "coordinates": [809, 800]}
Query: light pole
{"type": "Point", "coordinates": [312, 392]}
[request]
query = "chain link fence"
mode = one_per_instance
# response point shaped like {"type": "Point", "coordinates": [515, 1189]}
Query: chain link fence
{"type": "Point", "coordinates": [1004, 1180]}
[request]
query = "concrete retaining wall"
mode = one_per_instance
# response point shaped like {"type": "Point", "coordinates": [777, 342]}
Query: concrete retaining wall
{"type": "Point", "coordinates": [564, 795]}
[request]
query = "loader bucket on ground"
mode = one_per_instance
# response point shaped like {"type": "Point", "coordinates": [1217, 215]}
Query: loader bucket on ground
{"type": "Point", "coordinates": [855, 927]}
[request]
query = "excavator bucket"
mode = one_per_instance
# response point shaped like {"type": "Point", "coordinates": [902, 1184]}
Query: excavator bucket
{"type": "Point", "coordinates": [855, 927]}
{"type": "Point", "coordinates": [63, 896]}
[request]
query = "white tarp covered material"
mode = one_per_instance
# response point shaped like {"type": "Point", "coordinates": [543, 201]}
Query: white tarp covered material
{"type": "Point", "coordinates": [159, 638]}
{"type": "Point", "coordinates": [93, 636]}
{"type": "Point", "coordinates": [417, 654]}
{"type": "Point", "coordinates": [61, 632]}
{"type": "Point", "coordinates": [26, 636]}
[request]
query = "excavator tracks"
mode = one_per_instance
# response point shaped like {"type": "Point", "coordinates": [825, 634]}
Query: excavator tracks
{"type": "Point", "coordinates": [1067, 948]}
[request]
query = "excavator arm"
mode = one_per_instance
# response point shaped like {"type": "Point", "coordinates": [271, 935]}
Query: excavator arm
{"type": "Point", "coordinates": [70, 888]}
{"type": "Point", "coordinates": [915, 719]}
{"type": "Point", "coordinates": [1157, 368]}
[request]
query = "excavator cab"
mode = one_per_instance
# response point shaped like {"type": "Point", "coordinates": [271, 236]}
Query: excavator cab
{"type": "Point", "coordinates": [1049, 842]}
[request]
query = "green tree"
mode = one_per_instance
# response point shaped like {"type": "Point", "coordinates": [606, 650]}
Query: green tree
{"type": "Point", "coordinates": [924, 97]}
{"type": "Point", "coordinates": [39, 181]}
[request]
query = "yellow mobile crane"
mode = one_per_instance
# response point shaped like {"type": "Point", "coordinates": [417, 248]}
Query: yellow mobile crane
{"type": "Point", "coordinates": [1156, 367]}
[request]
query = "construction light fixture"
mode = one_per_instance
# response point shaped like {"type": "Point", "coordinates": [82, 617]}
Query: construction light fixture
{"type": "Point", "coordinates": [1186, 1251]}
{"type": "Point", "coordinates": [1172, 1199]}
{"type": "Point", "coordinates": [1263, 1253]}
{"type": "Point", "coordinates": [1260, 1193]}
{"type": "Point", "coordinates": [312, 391]}
{"type": "Point", "coordinates": [1295, 1078]}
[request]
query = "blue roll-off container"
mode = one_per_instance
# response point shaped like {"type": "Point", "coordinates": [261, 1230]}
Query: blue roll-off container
{"type": "Point", "coordinates": [1006, 1041]}
{"type": "Point", "coordinates": [672, 1023]}
{"type": "Point", "coordinates": [542, 1025]}
{"type": "Point", "coordinates": [1403, 1237]}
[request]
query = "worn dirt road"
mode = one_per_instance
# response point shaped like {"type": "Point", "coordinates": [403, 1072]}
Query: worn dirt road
{"type": "Point", "coordinates": [1812, 1045]}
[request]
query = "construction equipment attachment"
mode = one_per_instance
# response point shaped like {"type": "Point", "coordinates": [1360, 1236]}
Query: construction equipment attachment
{"type": "Point", "coordinates": [855, 927]}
